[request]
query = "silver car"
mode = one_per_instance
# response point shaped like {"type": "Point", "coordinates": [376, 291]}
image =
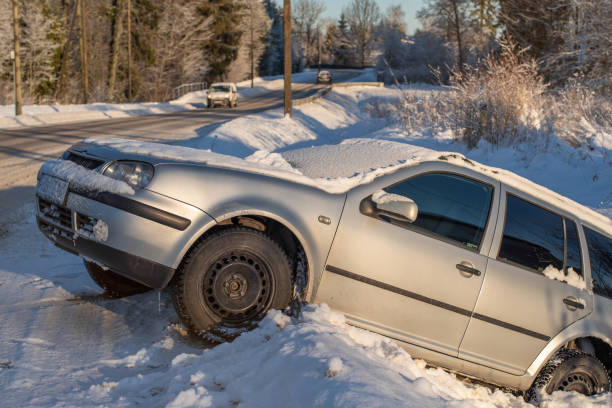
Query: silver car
{"type": "Point", "coordinates": [501, 281]}
{"type": "Point", "coordinates": [224, 94]}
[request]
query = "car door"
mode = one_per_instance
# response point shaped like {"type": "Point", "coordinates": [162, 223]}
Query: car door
{"type": "Point", "coordinates": [520, 308]}
{"type": "Point", "coordinates": [402, 279]}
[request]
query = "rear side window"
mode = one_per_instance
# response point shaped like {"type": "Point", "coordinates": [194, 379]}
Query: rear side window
{"type": "Point", "coordinates": [600, 255]}
{"type": "Point", "coordinates": [533, 236]}
{"type": "Point", "coordinates": [450, 206]}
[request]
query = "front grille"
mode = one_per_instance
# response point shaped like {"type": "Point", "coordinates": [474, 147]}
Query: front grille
{"type": "Point", "coordinates": [85, 224]}
{"type": "Point", "coordinates": [56, 213]}
{"type": "Point", "coordinates": [57, 220]}
{"type": "Point", "coordinates": [83, 161]}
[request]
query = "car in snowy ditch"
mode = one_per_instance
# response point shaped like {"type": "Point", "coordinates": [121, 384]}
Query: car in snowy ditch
{"type": "Point", "coordinates": [471, 268]}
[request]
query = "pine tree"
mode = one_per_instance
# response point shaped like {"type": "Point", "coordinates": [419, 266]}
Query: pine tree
{"type": "Point", "coordinates": [222, 47]}
{"type": "Point", "coordinates": [271, 62]}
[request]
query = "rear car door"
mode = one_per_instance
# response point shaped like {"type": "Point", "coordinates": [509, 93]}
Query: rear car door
{"type": "Point", "coordinates": [402, 279]}
{"type": "Point", "coordinates": [521, 307]}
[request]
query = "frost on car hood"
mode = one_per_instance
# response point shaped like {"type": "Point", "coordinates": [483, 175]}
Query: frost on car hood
{"type": "Point", "coordinates": [341, 167]}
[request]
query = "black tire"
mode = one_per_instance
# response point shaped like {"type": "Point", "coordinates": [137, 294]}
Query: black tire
{"type": "Point", "coordinates": [570, 370]}
{"type": "Point", "coordinates": [115, 286]}
{"type": "Point", "coordinates": [231, 279]}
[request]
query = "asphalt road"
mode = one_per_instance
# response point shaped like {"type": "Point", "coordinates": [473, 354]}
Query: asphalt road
{"type": "Point", "coordinates": [23, 150]}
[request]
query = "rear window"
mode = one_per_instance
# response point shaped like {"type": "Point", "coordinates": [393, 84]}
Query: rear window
{"type": "Point", "coordinates": [533, 236]}
{"type": "Point", "coordinates": [600, 255]}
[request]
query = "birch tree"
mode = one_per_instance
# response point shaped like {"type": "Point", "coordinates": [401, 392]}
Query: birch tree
{"type": "Point", "coordinates": [307, 15]}
{"type": "Point", "coordinates": [363, 17]}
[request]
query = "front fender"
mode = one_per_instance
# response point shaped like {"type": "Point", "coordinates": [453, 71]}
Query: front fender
{"type": "Point", "coordinates": [224, 193]}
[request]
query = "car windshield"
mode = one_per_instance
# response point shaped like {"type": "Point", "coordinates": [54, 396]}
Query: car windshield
{"type": "Point", "coordinates": [220, 88]}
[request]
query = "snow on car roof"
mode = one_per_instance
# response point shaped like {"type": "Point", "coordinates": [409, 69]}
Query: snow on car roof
{"type": "Point", "coordinates": [341, 167]}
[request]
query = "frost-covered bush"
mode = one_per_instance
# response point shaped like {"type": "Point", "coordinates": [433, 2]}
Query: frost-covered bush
{"type": "Point", "coordinates": [500, 101]}
{"type": "Point", "coordinates": [424, 109]}
{"type": "Point", "coordinates": [581, 116]}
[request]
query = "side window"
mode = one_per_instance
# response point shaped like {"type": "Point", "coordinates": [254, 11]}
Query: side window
{"type": "Point", "coordinates": [533, 237]}
{"type": "Point", "coordinates": [600, 255]}
{"type": "Point", "coordinates": [450, 206]}
{"type": "Point", "coordinates": [573, 258]}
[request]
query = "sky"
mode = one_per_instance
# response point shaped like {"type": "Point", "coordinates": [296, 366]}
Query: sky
{"type": "Point", "coordinates": [410, 7]}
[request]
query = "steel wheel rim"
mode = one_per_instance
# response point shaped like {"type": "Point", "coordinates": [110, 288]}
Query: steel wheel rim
{"type": "Point", "coordinates": [238, 287]}
{"type": "Point", "coordinates": [579, 381]}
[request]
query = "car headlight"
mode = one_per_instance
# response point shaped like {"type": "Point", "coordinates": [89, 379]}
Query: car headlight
{"type": "Point", "coordinates": [136, 174]}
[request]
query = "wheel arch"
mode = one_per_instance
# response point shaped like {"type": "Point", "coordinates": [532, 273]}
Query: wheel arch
{"type": "Point", "coordinates": [273, 224]}
{"type": "Point", "coordinates": [581, 336]}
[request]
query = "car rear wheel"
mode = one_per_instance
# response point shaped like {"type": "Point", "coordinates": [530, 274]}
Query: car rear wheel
{"type": "Point", "coordinates": [570, 370]}
{"type": "Point", "coordinates": [231, 279]}
{"type": "Point", "coordinates": [115, 286]}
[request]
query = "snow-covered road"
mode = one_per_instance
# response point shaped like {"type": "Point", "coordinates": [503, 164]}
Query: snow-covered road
{"type": "Point", "coordinates": [62, 345]}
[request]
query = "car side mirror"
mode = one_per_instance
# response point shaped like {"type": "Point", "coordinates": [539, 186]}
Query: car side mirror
{"type": "Point", "coordinates": [389, 205]}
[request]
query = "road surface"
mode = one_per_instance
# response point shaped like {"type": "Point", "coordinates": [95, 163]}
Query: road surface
{"type": "Point", "coordinates": [22, 151]}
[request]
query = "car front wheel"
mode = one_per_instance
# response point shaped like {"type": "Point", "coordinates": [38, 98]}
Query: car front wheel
{"type": "Point", "coordinates": [231, 279]}
{"type": "Point", "coordinates": [570, 370]}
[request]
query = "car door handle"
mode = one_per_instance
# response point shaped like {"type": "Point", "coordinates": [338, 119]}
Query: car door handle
{"type": "Point", "coordinates": [468, 269]}
{"type": "Point", "coordinates": [573, 303]}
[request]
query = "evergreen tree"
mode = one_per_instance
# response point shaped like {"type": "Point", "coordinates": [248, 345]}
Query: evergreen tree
{"type": "Point", "coordinates": [271, 62]}
{"type": "Point", "coordinates": [222, 47]}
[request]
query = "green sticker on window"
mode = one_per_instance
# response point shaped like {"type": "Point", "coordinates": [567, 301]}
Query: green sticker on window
{"type": "Point", "coordinates": [469, 245]}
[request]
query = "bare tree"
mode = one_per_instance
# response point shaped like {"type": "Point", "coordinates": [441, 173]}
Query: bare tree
{"type": "Point", "coordinates": [180, 56]}
{"type": "Point", "coordinates": [256, 24]}
{"type": "Point", "coordinates": [17, 58]}
{"type": "Point", "coordinates": [362, 17]}
{"type": "Point", "coordinates": [586, 47]}
{"type": "Point", "coordinates": [450, 19]}
{"type": "Point", "coordinates": [117, 12]}
{"type": "Point", "coordinates": [307, 15]}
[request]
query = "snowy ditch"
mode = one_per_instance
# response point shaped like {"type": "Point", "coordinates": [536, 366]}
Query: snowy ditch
{"type": "Point", "coordinates": [61, 345]}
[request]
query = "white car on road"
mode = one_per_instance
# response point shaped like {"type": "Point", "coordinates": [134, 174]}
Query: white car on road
{"type": "Point", "coordinates": [223, 93]}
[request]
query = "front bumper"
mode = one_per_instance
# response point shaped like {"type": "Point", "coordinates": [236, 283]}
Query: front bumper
{"type": "Point", "coordinates": [138, 239]}
{"type": "Point", "coordinates": [131, 266]}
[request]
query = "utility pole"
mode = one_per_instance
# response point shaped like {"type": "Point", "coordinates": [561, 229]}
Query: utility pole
{"type": "Point", "coordinates": [16, 60]}
{"type": "Point", "coordinates": [129, 23]}
{"type": "Point", "coordinates": [84, 51]}
{"type": "Point", "coordinates": [288, 56]}
{"type": "Point", "coordinates": [252, 47]}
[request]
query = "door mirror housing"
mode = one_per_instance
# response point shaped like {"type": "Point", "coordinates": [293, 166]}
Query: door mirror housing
{"type": "Point", "coordinates": [389, 205]}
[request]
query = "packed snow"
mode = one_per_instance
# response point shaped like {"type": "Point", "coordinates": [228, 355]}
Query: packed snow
{"type": "Point", "coordinates": [382, 197]}
{"type": "Point", "coordinates": [61, 344]}
{"type": "Point", "coordinates": [81, 177]}
{"type": "Point", "coordinates": [571, 278]}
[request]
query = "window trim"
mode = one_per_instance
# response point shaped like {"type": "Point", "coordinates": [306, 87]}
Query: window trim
{"type": "Point", "coordinates": [586, 242]}
{"type": "Point", "coordinates": [580, 250]}
{"type": "Point", "coordinates": [563, 218]}
{"type": "Point", "coordinates": [430, 234]}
